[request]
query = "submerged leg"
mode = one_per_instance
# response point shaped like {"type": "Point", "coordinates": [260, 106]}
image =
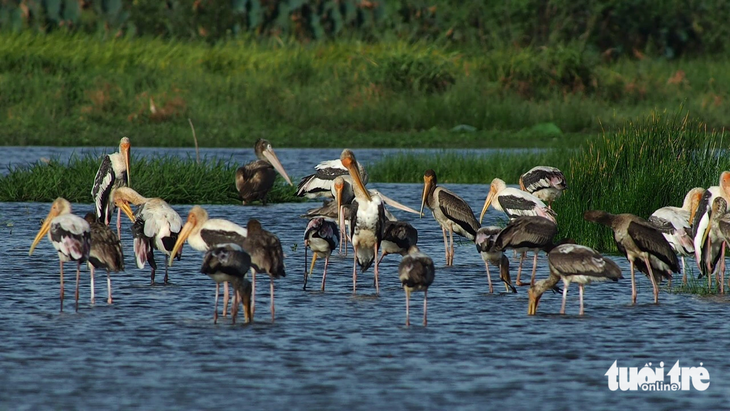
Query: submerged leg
{"type": "Point", "coordinates": [108, 287]}
{"type": "Point", "coordinates": [565, 296]}
{"type": "Point", "coordinates": [633, 283]}
{"type": "Point", "coordinates": [489, 278]}
{"type": "Point", "coordinates": [408, 298]}
{"type": "Point", "coordinates": [377, 272]}
{"type": "Point", "coordinates": [215, 309]}
{"type": "Point", "coordinates": [167, 265]}
{"type": "Point", "coordinates": [580, 289]}
{"type": "Point", "coordinates": [78, 274]}
{"type": "Point", "coordinates": [91, 285]}
{"type": "Point", "coordinates": [61, 286]}
{"type": "Point", "coordinates": [324, 274]}
{"type": "Point", "coordinates": [354, 269]}
{"type": "Point", "coordinates": [425, 307]}
{"type": "Point", "coordinates": [451, 245]}
{"type": "Point", "coordinates": [446, 245]}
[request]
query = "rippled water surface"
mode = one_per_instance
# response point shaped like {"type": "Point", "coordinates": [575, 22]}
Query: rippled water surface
{"type": "Point", "coordinates": [156, 347]}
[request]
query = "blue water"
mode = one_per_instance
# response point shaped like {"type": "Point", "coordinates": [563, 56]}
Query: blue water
{"type": "Point", "coordinates": [156, 347]}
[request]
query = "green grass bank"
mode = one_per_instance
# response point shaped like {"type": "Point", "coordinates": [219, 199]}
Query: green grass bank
{"type": "Point", "coordinates": [80, 90]}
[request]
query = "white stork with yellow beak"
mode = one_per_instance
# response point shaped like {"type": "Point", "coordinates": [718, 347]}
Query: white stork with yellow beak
{"type": "Point", "coordinates": [70, 236]}
{"type": "Point", "coordinates": [514, 202]}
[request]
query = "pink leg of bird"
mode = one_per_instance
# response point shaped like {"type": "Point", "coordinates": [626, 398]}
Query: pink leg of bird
{"type": "Point", "coordinates": [684, 272]}
{"type": "Point", "coordinates": [91, 274]}
{"type": "Point", "coordinates": [108, 287]}
{"type": "Point", "coordinates": [722, 269]}
{"type": "Point", "coordinates": [324, 274]}
{"type": "Point", "coordinates": [215, 306]}
{"type": "Point", "coordinates": [354, 269]}
{"type": "Point", "coordinates": [61, 285]}
{"type": "Point", "coordinates": [489, 278]}
{"type": "Point", "coordinates": [226, 297]}
{"type": "Point", "coordinates": [425, 307]}
{"type": "Point", "coordinates": [565, 297]}
{"type": "Point", "coordinates": [451, 245]}
{"type": "Point", "coordinates": [633, 282]}
{"type": "Point", "coordinates": [580, 289]}
{"type": "Point", "coordinates": [253, 291]}
{"type": "Point", "coordinates": [381, 257]}
{"type": "Point", "coordinates": [408, 304]}
{"type": "Point", "coordinates": [653, 281]}
{"type": "Point", "coordinates": [78, 275]}
{"type": "Point", "coordinates": [119, 223]}
{"type": "Point", "coordinates": [708, 264]}
{"type": "Point", "coordinates": [272, 299]}
{"type": "Point", "coordinates": [446, 245]}
{"type": "Point", "coordinates": [519, 269]}
{"type": "Point", "coordinates": [534, 268]}
{"type": "Point", "coordinates": [377, 272]}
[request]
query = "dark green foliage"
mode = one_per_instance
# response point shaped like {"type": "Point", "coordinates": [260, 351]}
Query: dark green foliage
{"type": "Point", "coordinates": [211, 182]}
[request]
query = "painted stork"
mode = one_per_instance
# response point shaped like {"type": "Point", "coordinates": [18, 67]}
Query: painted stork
{"type": "Point", "coordinates": [113, 173]}
{"type": "Point", "coordinates": [573, 263]}
{"type": "Point", "coordinates": [642, 244]}
{"type": "Point", "coordinates": [485, 246]}
{"type": "Point", "coordinates": [228, 263]}
{"type": "Point", "coordinates": [398, 237]}
{"type": "Point", "coordinates": [701, 220]}
{"type": "Point", "coordinates": [255, 179]}
{"type": "Point", "coordinates": [155, 225]}
{"type": "Point", "coordinates": [416, 273]}
{"type": "Point", "coordinates": [266, 257]}
{"type": "Point", "coordinates": [367, 221]}
{"type": "Point", "coordinates": [514, 202]}
{"type": "Point", "coordinates": [70, 236]}
{"type": "Point", "coordinates": [322, 236]}
{"type": "Point", "coordinates": [106, 252]}
{"type": "Point", "coordinates": [527, 233]}
{"type": "Point", "coordinates": [203, 234]}
{"type": "Point", "coordinates": [674, 224]}
{"type": "Point", "coordinates": [451, 212]}
{"type": "Point", "coordinates": [544, 182]}
{"type": "Point", "coordinates": [320, 183]}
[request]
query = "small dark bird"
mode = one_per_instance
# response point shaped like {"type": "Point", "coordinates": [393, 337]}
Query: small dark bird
{"type": "Point", "coordinates": [322, 236]}
{"type": "Point", "coordinates": [106, 252]}
{"type": "Point", "coordinates": [485, 246]}
{"type": "Point", "coordinates": [266, 257]}
{"type": "Point", "coordinates": [416, 273]}
{"type": "Point", "coordinates": [255, 179]}
{"type": "Point", "coordinates": [642, 244]}
{"type": "Point", "coordinates": [573, 263]}
{"type": "Point", "coordinates": [229, 263]}
{"type": "Point", "coordinates": [398, 237]}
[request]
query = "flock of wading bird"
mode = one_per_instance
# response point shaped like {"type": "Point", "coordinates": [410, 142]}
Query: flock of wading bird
{"type": "Point", "coordinates": [701, 226]}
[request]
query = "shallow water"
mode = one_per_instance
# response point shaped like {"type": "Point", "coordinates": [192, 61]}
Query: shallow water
{"type": "Point", "coordinates": [297, 161]}
{"type": "Point", "coordinates": [157, 347]}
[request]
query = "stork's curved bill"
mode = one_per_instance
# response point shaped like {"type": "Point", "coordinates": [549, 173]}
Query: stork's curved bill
{"type": "Point", "coordinates": [274, 160]}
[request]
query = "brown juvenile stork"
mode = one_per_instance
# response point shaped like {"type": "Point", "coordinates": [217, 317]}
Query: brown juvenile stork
{"type": "Point", "coordinates": [255, 179]}
{"type": "Point", "coordinates": [204, 233]}
{"type": "Point", "coordinates": [155, 225]}
{"type": "Point", "coordinates": [416, 273]}
{"type": "Point", "coordinates": [106, 252]}
{"type": "Point", "coordinates": [113, 173]}
{"type": "Point", "coordinates": [642, 244]}
{"type": "Point", "coordinates": [228, 263]}
{"type": "Point", "coordinates": [449, 210]}
{"type": "Point", "coordinates": [322, 236]}
{"type": "Point", "coordinates": [527, 233]}
{"type": "Point", "coordinates": [573, 263]}
{"type": "Point", "coordinates": [485, 246]}
{"type": "Point", "coordinates": [70, 236]}
{"type": "Point", "coordinates": [266, 257]}
{"type": "Point", "coordinates": [544, 182]}
{"type": "Point", "coordinates": [367, 221]}
{"type": "Point", "coordinates": [398, 237]}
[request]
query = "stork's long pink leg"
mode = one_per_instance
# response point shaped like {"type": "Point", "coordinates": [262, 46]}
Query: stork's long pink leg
{"type": "Point", "coordinates": [451, 245]}
{"type": "Point", "coordinates": [722, 267]}
{"type": "Point", "coordinates": [377, 285]}
{"type": "Point", "coordinates": [215, 312]}
{"type": "Point", "coordinates": [91, 272]}
{"type": "Point", "coordinates": [354, 269]}
{"type": "Point", "coordinates": [489, 278]}
{"type": "Point", "coordinates": [226, 296]}
{"type": "Point", "coordinates": [272, 299]}
{"type": "Point", "coordinates": [684, 272]}
{"type": "Point", "coordinates": [78, 275]}
{"type": "Point", "coordinates": [119, 224]}
{"type": "Point", "coordinates": [580, 288]}
{"type": "Point", "coordinates": [446, 245]}
{"type": "Point", "coordinates": [425, 307]}
{"type": "Point", "coordinates": [653, 281]}
{"type": "Point", "coordinates": [61, 285]}
{"type": "Point", "coordinates": [534, 268]}
{"type": "Point", "coordinates": [519, 268]}
{"type": "Point", "coordinates": [324, 274]}
{"type": "Point", "coordinates": [633, 282]}
{"type": "Point", "coordinates": [408, 304]}
{"type": "Point", "coordinates": [108, 287]}
{"type": "Point", "coordinates": [565, 297]}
